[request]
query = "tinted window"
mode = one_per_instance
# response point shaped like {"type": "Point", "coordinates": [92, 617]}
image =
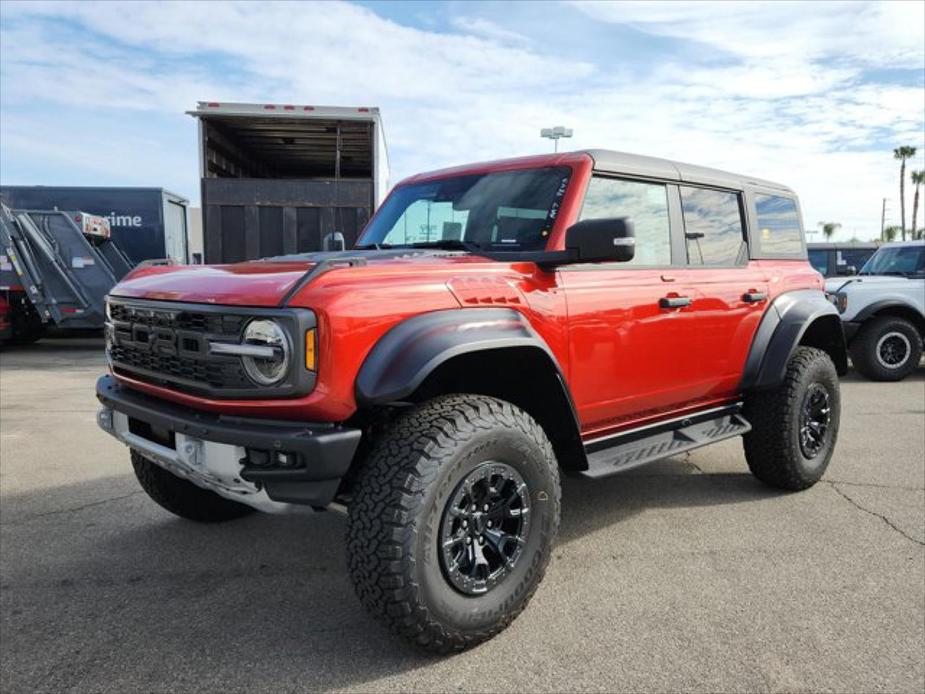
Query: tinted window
{"type": "Point", "coordinates": [819, 259]}
{"type": "Point", "coordinates": [854, 257]}
{"type": "Point", "coordinates": [779, 230]}
{"type": "Point", "coordinates": [645, 203]}
{"type": "Point", "coordinates": [712, 226]}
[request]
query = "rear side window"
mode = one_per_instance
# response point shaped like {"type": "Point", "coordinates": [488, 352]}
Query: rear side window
{"type": "Point", "coordinates": [779, 231]}
{"type": "Point", "coordinates": [645, 203]}
{"type": "Point", "coordinates": [713, 228]}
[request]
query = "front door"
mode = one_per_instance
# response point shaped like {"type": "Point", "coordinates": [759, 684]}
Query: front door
{"type": "Point", "coordinates": [630, 330]}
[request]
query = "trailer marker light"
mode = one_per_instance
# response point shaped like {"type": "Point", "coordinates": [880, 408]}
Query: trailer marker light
{"type": "Point", "coordinates": [212, 104]}
{"type": "Point", "coordinates": [363, 110]}
{"type": "Point", "coordinates": [269, 107]}
{"type": "Point", "coordinates": [308, 108]}
{"type": "Point", "coordinates": [310, 351]}
{"type": "Point", "coordinates": [289, 108]}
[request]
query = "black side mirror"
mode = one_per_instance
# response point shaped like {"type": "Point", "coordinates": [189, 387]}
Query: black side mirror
{"type": "Point", "coordinates": [334, 242]}
{"type": "Point", "coordinates": [601, 240]}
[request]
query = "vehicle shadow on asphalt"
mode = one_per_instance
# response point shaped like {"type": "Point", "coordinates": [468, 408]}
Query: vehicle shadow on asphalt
{"type": "Point", "coordinates": [265, 599]}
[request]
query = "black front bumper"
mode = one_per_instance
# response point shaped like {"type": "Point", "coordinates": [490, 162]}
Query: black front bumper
{"type": "Point", "coordinates": [326, 450]}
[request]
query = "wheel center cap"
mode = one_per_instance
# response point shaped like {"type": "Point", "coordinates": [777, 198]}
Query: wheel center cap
{"type": "Point", "coordinates": [478, 523]}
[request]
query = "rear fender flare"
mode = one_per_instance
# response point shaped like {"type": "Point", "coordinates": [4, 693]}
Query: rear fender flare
{"type": "Point", "coordinates": [782, 329]}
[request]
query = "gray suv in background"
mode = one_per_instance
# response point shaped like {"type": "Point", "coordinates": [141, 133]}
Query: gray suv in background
{"type": "Point", "coordinates": [883, 311]}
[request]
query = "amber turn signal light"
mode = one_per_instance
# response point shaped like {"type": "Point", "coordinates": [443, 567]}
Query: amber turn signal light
{"type": "Point", "coordinates": [310, 350]}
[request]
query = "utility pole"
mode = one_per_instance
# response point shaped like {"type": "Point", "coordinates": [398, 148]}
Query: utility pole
{"type": "Point", "coordinates": [883, 219]}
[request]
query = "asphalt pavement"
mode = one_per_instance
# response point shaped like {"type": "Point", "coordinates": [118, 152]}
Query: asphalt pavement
{"type": "Point", "coordinates": [686, 575]}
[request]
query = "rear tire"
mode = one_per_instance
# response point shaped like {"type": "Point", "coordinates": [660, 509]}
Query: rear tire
{"type": "Point", "coordinates": [887, 348]}
{"type": "Point", "coordinates": [442, 489]}
{"type": "Point", "coordinates": [183, 498]}
{"type": "Point", "coordinates": [795, 426]}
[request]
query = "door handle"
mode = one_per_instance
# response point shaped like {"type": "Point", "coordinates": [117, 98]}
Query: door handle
{"type": "Point", "coordinates": [674, 301]}
{"type": "Point", "coordinates": [754, 297]}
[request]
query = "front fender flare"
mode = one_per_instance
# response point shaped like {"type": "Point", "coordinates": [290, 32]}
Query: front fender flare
{"type": "Point", "coordinates": [411, 350]}
{"type": "Point", "coordinates": [780, 332]}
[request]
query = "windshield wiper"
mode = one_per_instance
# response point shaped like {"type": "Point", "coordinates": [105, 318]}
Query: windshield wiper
{"type": "Point", "coordinates": [374, 246]}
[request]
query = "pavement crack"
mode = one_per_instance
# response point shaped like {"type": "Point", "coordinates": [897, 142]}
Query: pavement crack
{"type": "Point", "coordinates": [74, 509]}
{"type": "Point", "coordinates": [875, 485]}
{"type": "Point", "coordinates": [874, 513]}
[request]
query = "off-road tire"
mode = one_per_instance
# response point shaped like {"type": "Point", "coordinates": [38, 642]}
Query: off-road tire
{"type": "Point", "coordinates": [394, 519]}
{"type": "Point", "coordinates": [865, 344]}
{"type": "Point", "coordinates": [772, 447]}
{"type": "Point", "coordinates": [183, 498]}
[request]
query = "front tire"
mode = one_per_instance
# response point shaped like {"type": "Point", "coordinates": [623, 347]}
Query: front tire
{"type": "Point", "coordinates": [886, 348]}
{"type": "Point", "coordinates": [183, 498]}
{"type": "Point", "coordinates": [453, 519]}
{"type": "Point", "coordinates": [795, 426]}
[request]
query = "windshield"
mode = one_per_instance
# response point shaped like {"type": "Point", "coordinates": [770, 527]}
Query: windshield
{"type": "Point", "coordinates": [505, 211]}
{"type": "Point", "coordinates": [896, 260]}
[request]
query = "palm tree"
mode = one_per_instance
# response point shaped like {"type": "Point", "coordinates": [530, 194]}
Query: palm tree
{"type": "Point", "coordinates": [828, 229]}
{"type": "Point", "coordinates": [889, 234]}
{"type": "Point", "coordinates": [918, 178]}
{"type": "Point", "coordinates": [903, 153]}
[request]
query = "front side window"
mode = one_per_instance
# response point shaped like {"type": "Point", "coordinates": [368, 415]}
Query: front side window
{"type": "Point", "coordinates": [504, 211]}
{"type": "Point", "coordinates": [645, 203]}
{"type": "Point", "coordinates": [712, 226]}
{"type": "Point", "coordinates": [779, 231]}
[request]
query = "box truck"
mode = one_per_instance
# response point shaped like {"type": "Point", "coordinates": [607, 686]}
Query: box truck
{"type": "Point", "coordinates": [146, 223]}
{"type": "Point", "coordinates": [281, 178]}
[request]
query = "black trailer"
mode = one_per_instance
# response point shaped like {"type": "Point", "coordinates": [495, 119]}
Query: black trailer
{"type": "Point", "coordinates": [146, 223]}
{"type": "Point", "coordinates": [279, 179]}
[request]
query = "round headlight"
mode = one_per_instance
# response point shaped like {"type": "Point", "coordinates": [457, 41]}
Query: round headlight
{"type": "Point", "coordinates": [270, 369]}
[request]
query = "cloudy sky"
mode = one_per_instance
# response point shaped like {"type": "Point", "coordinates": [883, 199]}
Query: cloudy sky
{"type": "Point", "coordinates": [815, 95]}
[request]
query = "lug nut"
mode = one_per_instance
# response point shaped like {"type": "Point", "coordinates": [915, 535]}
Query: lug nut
{"type": "Point", "coordinates": [465, 524]}
{"type": "Point", "coordinates": [489, 524]}
{"type": "Point", "coordinates": [468, 540]}
{"type": "Point", "coordinates": [481, 540]}
{"type": "Point", "coordinates": [474, 507]}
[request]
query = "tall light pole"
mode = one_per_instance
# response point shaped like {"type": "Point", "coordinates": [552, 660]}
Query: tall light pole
{"type": "Point", "coordinates": [555, 133]}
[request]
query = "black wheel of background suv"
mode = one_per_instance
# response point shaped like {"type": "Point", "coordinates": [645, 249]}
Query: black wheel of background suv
{"type": "Point", "coordinates": [794, 426]}
{"type": "Point", "coordinates": [886, 348]}
{"type": "Point", "coordinates": [183, 498]}
{"type": "Point", "coordinates": [453, 520]}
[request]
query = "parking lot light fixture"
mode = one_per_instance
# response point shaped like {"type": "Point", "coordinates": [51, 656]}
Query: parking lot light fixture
{"type": "Point", "coordinates": [555, 133]}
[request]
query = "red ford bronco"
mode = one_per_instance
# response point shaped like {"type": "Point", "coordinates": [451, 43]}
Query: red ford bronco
{"type": "Point", "coordinates": [497, 324]}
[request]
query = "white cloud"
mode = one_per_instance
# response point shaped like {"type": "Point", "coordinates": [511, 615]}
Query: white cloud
{"type": "Point", "coordinates": [791, 107]}
{"type": "Point", "coordinates": [487, 29]}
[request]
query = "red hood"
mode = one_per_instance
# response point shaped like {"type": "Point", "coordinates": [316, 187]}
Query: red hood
{"type": "Point", "coordinates": [243, 284]}
{"type": "Point", "coordinates": [258, 283]}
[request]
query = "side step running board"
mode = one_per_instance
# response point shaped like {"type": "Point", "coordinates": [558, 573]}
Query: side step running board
{"type": "Point", "coordinates": [637, 447]}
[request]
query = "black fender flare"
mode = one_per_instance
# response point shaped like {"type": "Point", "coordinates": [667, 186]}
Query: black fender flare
{"type": "Point", "coordinates": [874, 308]}
{"type": "Point", "coordinates": [409, 352]}
{"type": "Point", "coordinates": [781, 330]}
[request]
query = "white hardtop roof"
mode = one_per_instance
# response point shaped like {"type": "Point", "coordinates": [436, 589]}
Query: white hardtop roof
{"type": "Point", "coordinates": [639, 165]}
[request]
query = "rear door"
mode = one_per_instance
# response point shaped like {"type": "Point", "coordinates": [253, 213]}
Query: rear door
{"type": "Point", "coordinates": [729, 292]}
